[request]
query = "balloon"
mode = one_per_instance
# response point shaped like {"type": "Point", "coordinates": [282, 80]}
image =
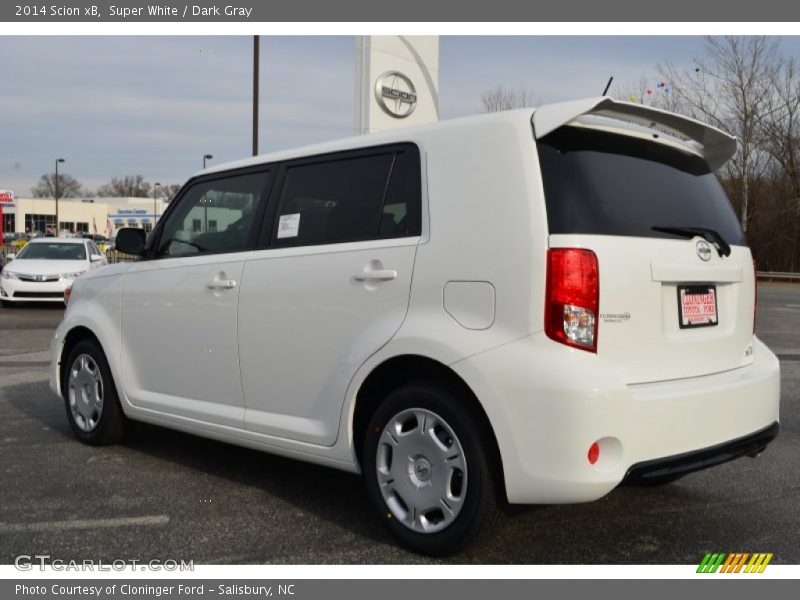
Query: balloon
{"type": "Point", "coordinates": [663, 84]}
{"type": "Point", "coordinates": [632, 98]}
{"type": "Point", "coordinates": [649, 91]}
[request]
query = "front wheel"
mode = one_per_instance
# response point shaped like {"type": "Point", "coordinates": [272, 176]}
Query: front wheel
{"type": "Point", "coordinates": [429, 469]}
{"type": "Point", "coordinates": [93, 408]}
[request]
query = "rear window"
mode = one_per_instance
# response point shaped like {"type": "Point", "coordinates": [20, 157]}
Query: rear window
{"type": "Point", "coordinates": [608, 184]}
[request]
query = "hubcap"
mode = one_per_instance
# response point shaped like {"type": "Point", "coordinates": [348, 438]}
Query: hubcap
{"type": "Point", "coordinates": [421, 470]}
{"type": "Point", "coordinates": [85, 392]}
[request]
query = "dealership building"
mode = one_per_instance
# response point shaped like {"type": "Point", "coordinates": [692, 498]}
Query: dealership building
{"type": "Point", "coordinates": [77, 215]}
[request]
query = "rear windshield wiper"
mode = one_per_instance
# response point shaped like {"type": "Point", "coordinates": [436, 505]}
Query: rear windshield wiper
{"type": "Point", "coordinates": [710, 235]}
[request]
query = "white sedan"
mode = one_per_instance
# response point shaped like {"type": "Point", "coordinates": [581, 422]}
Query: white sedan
{"type": "Point", "coordinates": [45, 267]}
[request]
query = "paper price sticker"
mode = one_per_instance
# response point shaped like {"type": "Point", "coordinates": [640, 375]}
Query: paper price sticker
{"type": "Point", "coordinates": [289, 226]}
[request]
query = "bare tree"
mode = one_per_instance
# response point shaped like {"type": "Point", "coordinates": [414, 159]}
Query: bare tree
{"type": "Point", "coordinates": [133, 186]}
{"type": "Point", "coordinates": [502, 98]}
{"type": "Point", "coordinates": [632, 92]}
{"type": "Point", "coordinates": [729, 87]}
{"type": "Point", "coordinates": [780, 123]}
{"type": "Point", "coordinates": [168, 191]}
{"type": "Point", "coordinates": [68, 186]}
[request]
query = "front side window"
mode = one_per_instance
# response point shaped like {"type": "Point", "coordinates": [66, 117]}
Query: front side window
{"type": "Point", "coordinates": [350, 199]}
{"type": "Point", "coordinates": [213, 217]}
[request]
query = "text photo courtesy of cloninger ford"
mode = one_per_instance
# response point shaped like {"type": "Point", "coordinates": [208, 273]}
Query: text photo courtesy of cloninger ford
{"type": "Point", "coordinates": [400, 300]}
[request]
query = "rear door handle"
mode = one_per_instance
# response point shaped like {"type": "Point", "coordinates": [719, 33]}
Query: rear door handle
{"type": "Point", "coordinates": [376, 275]}
{"type": "Point", "coordinates": [222, 284]}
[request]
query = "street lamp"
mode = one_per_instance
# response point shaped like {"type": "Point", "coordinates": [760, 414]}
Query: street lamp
{"type": "Point", "coordinates": [256, 56]}
{"type": "Point", "coordinates": [55, 192]}
{"type": "Point", "coordinates": [205, 158]}
{"type": "Point", "coordinates": [155, 195]}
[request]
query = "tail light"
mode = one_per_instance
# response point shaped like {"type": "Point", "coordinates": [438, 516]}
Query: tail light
{"type": "Point", "coordinates": [67, 295]}
{"type": "Point", "coordinates": [572, 297]}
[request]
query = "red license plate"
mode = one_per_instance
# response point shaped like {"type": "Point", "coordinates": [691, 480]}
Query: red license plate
{"type": "Point", "coordinates": [697, 306]}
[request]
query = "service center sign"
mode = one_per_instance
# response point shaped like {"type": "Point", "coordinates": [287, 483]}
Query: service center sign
{"type": "Point", "coordinates": [7, 197]}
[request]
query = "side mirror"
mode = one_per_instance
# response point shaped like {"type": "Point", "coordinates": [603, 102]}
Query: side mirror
{"type": "Point", "coordinates": [95, 257]}
{"type": "Point", "coordinates": [11, 256]}
{"type": "Point", "coordinates": [130, 240]}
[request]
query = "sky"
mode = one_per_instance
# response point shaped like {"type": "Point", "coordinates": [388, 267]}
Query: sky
{"type": "Point", "coordinates": [115, 106]}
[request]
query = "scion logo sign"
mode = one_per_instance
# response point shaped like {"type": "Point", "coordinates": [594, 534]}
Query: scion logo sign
{"type": "Point", "coordinates": [734, 562]}
{"type": "Point", "coordinates": [395, 94]}
{"type": "Point", "coordinates": [703, 250]}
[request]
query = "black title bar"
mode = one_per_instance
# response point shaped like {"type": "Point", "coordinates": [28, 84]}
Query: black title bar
{"type": "Point", "coordinates": [407, 11]}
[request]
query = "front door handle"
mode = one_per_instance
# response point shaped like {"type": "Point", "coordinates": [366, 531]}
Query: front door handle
{"type": "Point", "coordinates": [222, 284]}
{"type": "Point", "coordinates": [376, 275]}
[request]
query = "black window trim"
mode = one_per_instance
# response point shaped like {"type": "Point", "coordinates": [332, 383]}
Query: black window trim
{"type": "Point", "coordinates": [266, 195]}
{"type": "Point", "coordinates": [268, 236]}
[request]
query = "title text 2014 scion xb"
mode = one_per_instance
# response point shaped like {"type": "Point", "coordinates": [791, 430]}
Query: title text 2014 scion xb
{"type": "Point", "coordinates": [530, 306]}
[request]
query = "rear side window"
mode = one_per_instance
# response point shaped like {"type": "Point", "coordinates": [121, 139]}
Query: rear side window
{"type": "Point", "coordinates": [608, 184]}
{"type": "Point", "coordinates": [346, 199]}
{"type": "Point", "coordinates": [401, 215]}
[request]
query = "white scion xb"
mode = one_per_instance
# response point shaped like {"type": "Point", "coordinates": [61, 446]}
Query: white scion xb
{"type": "Point", "coordinates": [530, 306]}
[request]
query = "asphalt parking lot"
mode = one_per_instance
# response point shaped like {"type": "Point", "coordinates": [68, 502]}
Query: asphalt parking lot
{"type": "Point", "coordinates": [166, 495]}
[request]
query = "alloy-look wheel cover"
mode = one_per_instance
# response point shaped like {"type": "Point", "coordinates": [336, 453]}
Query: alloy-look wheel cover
{"type": "Point", "coordinates": [85, 392]}
{"type": "Point", "coordinates": [422, 470]}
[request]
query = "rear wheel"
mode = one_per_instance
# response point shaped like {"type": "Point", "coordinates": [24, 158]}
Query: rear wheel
{"type": "Point", "coordinates": [90, 397]}
{"type": "Point", "coordinates": [429, 469]}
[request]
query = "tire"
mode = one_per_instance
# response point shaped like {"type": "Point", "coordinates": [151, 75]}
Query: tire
{"type": "Point", "coordinates": [430, 470]}
{"type": "Point", "coordinates": [90, 397]}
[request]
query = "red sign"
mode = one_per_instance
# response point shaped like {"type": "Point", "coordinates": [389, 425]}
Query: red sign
{"type": "Point", "coordinates": [698, 306]}
{"type": "Point", "coordinates": [6, 197]}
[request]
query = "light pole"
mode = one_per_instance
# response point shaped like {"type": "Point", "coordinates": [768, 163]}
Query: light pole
{"type": "Point", "coordinates": [256, 56]}
{"type": "Point", "coordinates": [55, 193]}
{"type": "Point", "coordinates": [155, 195]}
{"type": "Point", "coordinates": [205, 158]}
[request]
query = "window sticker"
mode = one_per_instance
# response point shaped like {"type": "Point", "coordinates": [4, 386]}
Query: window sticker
{"type": "Point", "coordinates": [289, 226]}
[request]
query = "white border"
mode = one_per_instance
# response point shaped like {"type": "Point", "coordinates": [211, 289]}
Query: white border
{"type": "Point", "coordinates": [351, 28]}
{"type": "Point", "coordinates": [345, 29]}
{"type": "Point", "coordinates": [299, 572]}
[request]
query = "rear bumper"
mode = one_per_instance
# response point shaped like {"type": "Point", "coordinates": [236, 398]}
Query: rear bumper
{"type": "Point", "coordinates": [681, 464]}
{"type": "Point", "coordinates": [548, 404]}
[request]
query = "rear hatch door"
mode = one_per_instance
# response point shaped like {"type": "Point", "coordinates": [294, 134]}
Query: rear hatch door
{"type": "Point", "coordinates": [677, 288]}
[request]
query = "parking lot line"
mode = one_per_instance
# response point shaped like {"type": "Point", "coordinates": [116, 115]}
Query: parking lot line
{"type": "Point", "coordinates": [84, 524]}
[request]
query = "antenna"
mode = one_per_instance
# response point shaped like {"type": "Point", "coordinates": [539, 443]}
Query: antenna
{"type": "Point", "coordinates": [608, 85]}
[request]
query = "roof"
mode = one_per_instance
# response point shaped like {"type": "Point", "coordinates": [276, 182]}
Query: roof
{"type": "Point", "coordinates": [713, 144]}
{"type": "Point", "coordinates": [59, 240]}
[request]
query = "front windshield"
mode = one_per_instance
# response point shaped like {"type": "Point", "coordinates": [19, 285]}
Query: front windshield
{"type": "Point", "coordinates": [53, 251]}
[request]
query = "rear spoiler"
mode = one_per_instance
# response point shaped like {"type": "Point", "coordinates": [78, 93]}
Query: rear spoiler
{"type": "Point", "coordinates": [714, 145]}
